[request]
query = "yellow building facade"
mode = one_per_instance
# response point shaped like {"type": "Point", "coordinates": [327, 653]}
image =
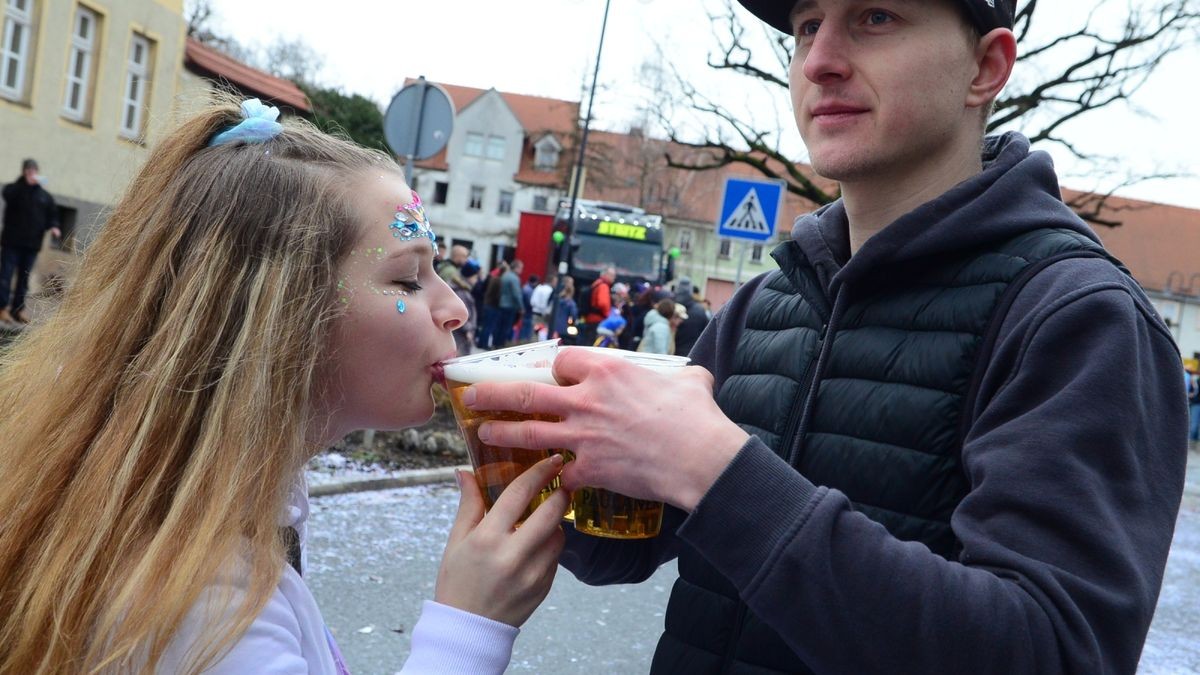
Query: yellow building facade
{"type": "Point", "coordinates": [84, 85]}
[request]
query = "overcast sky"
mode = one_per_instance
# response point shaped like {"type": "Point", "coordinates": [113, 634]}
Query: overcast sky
{"type": "Point", "coordinates": [547, 48]}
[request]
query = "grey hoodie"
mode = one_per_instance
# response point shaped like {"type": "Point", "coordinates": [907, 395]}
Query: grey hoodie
{"type": "Point", "coordinates": [1075, 455]}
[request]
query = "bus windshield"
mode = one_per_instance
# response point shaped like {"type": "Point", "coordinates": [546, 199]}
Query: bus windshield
{"type": "Point", "coordinates": [630, 258]}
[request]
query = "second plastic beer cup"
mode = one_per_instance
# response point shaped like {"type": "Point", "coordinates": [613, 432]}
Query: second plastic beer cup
{"type": "Point", "coordinates": [604, 513]}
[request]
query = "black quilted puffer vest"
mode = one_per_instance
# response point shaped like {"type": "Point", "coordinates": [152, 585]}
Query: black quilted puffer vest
{"type": "Point", "coordinates": [868, 394]}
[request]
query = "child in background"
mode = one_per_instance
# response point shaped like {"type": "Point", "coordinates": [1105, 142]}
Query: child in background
{"type": "Point", "coordinates": [609, 330]}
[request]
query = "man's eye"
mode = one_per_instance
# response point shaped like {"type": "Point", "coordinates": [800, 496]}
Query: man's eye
{"type": "Point", "coordinates": [807, 28]}
{"type": "Point", "coordinates": [878, 17]}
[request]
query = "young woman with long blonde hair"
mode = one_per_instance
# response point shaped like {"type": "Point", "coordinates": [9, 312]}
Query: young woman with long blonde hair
{"type": "Point", "coordinates": [260, 291]}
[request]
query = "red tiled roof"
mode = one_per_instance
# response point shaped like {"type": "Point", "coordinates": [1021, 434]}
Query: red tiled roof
{"type": "Point", "coordinates": [1157, 242]}
{"type": "Point", "coordinates": [538, 115]}
{"type": "Point", "coordinates": [210, 62]}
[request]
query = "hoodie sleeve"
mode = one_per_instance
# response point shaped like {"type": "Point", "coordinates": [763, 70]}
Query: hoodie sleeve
{"type": "Point", "coordinates": [1075, 456]}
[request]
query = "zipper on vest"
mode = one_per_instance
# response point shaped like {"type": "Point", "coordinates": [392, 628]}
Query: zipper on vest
{"type": "Point", "coordinates": [813, 380]}
{"type": "Point", "coordinates": [798, 412]}
{"type": "Point", "coordinates": [797, 409]}
{"type": "Point", "coordinates": [796, 427]}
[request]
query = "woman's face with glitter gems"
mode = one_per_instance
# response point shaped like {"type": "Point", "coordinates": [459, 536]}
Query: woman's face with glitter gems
{"type": "Point", "coordinates": [398, 318]}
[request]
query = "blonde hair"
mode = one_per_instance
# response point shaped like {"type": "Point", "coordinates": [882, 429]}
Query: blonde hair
{"type": "Point", "coordinates": [154, 425]}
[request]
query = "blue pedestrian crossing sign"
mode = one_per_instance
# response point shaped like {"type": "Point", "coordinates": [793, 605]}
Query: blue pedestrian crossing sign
{"type": "Point", "coordinates": [749, 208]}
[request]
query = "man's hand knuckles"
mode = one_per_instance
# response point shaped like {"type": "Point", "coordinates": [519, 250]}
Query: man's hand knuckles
{"type": "Point", "coordinates": [526, 435]}
{"type": "Point", "coordinates": [527, 397]}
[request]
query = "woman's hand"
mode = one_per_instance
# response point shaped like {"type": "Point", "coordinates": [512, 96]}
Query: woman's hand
{"type": "Point", "coordinates": [493, 570]}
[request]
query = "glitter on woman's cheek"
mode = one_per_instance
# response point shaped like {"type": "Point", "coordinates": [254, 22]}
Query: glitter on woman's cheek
{"type": "Point", "coordinates": [400, 306]}
{"type": "Point", "coordinates": [344, 291]}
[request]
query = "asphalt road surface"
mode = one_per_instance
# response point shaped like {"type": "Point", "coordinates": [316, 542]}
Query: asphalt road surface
{"type": "Point", "coordinates": [373, 557]}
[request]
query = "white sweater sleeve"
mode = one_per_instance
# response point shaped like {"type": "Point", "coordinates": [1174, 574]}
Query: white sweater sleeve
{"type": "Point", "coordinates": [448, 640]}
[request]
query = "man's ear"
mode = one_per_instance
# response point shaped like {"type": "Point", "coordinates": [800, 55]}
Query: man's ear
{"type": "Point", "coordinates": [994, 59]}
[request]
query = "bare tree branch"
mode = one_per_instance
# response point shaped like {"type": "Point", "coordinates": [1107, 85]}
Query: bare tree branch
{"type": "Point", "coordinates": [1102, 67]}
{"type": "Point", "coordinates": [758, 154]}
{"type": "Point", "coordinates": [1099, 208]}
{"type": "Point", "coordinates": [737, 57]}
{"type": "Point", "coordinates": [1113, 70]}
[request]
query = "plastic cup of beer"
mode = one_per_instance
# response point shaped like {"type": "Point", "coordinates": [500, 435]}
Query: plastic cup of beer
{"type": "Point", "coordinates": [604, 513]}
{"type": "Point", "coordinates": [494, 466]}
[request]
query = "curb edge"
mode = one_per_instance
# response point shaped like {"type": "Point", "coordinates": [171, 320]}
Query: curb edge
{"type": "Point", "coordinates": [404, 479]}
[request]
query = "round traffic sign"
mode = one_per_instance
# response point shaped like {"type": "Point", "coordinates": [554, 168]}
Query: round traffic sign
{"type": "Point", "coordinates": [419, 120]}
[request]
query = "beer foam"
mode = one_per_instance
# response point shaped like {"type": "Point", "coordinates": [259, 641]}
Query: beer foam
{"type": "Point", "coordinates": [485, 371]}
{"type": "Point", "coordinates": [660, 363]}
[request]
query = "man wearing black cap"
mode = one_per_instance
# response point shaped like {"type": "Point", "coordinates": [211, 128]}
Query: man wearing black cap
{"type": "Point", "coordinates": [689, 330]}
{"type": "Point", "coordinates": [29, 212]}
{"type": "Point", "coordinates": [949, 433]}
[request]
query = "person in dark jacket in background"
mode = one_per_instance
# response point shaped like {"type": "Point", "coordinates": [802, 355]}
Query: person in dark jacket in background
{"type": "Point", "coordinates": [900, 462]}
{"type": "Point", "coordinates": [464, 335]}
{"type": "Point", "coordinates": [689, 331]}
{"type": "Point", "coordinates": [485, 335]}
{"type": "Point", "coordinates": [636, 310]}
{"type": "Point", "coordinates": [29, 212]}
{"type": "Point", "coordinates": [526, 333]}
{"type": "Point", "coordinates": [510, 304]}
{"type": "Point", "coordinates": [1193, 394]}
{"type": "Point", "coordinates": [567, 314]}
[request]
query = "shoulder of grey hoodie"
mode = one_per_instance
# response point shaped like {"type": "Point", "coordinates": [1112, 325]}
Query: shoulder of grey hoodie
{"type": "Point", "coordinates": [1075, 455]}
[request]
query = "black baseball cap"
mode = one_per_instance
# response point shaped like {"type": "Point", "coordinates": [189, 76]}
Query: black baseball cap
{"type": "Point", "coordinates": [986, 15]}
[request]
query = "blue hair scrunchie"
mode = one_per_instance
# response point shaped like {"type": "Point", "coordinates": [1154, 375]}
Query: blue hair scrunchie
{"type": "Point", "coordinates": [258, 125]}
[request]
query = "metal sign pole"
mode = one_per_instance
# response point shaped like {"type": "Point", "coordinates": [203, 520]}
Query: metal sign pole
{"type": "Point", "coordinates": [418, 123]}
{"type": "Point", "coordinates": [565, 254]}
{"type": "Point", "coordinates": [418, 111]}
{"type": "Point", "coordinates": [737, 283]}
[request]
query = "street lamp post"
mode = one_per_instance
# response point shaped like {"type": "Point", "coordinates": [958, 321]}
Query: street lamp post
{"type": "Point", "coordinates": [565, 251]}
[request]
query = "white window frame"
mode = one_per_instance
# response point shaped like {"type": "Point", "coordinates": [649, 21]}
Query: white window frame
{"type": "Point", "coordinates": [756, 253]}
{"type": "Point", "coordinates": [546, 154]}
{"type": "Point", "coordinates": [541, 203]}
{"type": "Point", "coordinates": [685, 240]}
{"type": "Point", "coordinates": [83, 48]}
{"type": "Point", "coordinates": [494, 148]}
{"type": "Point", "coordinates": [473, 146]}
{"type": "Point", "coordinates": [725, 248]}
{"type": "Point", "coordinates": [505, 206]}
{"type": "Point", "coordinates": [475, 199]}
{"type": "Point", "coordinates": [16, 19]}
{"type": "Point", "coordinates": [136, 75]}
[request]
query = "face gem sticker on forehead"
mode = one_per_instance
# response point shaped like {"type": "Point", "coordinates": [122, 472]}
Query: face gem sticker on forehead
{"type": "Point", "coordinates": [411, 222]}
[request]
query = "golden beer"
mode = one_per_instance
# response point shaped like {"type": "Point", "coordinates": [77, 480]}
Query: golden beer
{"type": "Point", "coordinates": [604, 513]}
{"type": "Point", "coordinates": [494, 466]}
